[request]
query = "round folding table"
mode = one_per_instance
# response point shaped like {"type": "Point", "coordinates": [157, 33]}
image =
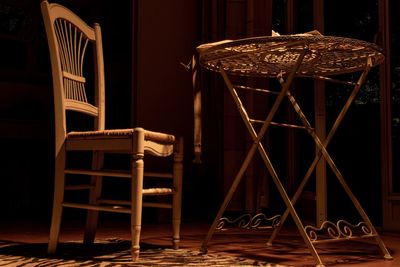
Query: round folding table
{"type": "Point", "coordinates": [284, 58]}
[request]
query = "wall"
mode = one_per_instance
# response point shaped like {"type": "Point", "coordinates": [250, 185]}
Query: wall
{"type": "Point", "coordinates": [165, 35]}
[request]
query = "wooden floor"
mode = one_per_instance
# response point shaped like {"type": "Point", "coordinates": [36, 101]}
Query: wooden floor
{"type": "Point", "coordinates": [289, 249]}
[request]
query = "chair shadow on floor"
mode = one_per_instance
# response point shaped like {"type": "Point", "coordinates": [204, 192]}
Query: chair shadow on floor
{"type": "Point", "coordinates": [113, 252]}
{"type": "Point", "coordinates": [108, 250]}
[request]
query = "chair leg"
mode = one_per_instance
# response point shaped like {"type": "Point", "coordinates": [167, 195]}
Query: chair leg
{"type": "Point", "coordinates": [92, 215]}
{"type": "Point", "coordinates": [177, 196]}
{"type": "Point", "coordinates": [137, 199]}
{"type": "Point", "coordinates": [59, 183]}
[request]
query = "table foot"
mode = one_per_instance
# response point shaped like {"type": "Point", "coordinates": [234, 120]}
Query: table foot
{"type": "Point", "coordinates": [203, 250]}
{"type": "Point", "coordinates": [388, 257]}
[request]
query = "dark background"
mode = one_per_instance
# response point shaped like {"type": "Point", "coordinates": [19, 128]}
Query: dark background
{"type": "Point", "coordinates": [144, 43]}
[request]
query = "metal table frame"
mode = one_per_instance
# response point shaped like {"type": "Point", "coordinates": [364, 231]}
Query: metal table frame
{"type": "Point", "coordinates": [284, 58]}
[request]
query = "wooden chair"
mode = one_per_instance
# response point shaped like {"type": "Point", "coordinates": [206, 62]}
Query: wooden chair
{"type": "Point", "coordinates": [70, 39]}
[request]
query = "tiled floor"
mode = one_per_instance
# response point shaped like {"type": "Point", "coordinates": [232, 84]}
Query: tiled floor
{"type": "Point", "coordinates": [289, 248]}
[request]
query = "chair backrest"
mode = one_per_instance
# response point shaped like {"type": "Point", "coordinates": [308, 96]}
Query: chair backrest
{"type": "Point", "coordinates": [70, 39]}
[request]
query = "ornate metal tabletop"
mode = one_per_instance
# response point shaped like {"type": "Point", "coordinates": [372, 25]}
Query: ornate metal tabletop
{"type": "Point", "coordinates": [269, 56]}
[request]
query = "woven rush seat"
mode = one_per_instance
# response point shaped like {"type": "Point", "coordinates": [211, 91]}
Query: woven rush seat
{"type": "Point", "coordinates": [148, 135]}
